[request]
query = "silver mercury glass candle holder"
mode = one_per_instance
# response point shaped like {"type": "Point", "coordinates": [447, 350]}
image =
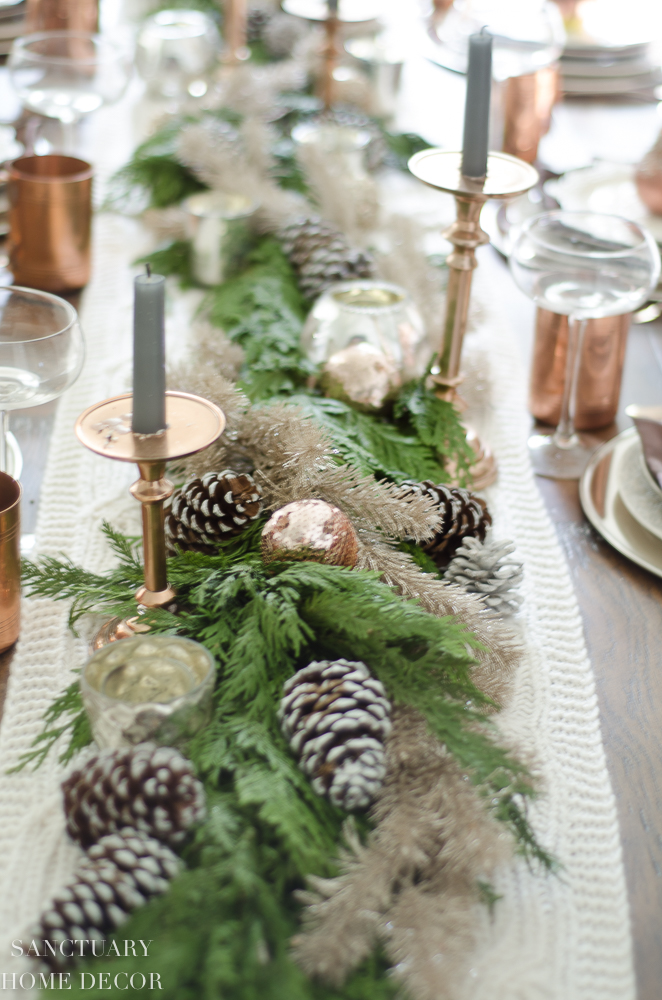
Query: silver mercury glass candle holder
{"type": "Point", "coordinates": [148, 688]}
{"type": "Point", "coordinates": [214, 224]}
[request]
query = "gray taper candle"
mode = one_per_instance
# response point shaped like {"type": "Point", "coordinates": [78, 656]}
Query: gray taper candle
{"type": "Point", "coordinates": [148, 354]}
{"type": "Point", "coordinates": [477, 107]}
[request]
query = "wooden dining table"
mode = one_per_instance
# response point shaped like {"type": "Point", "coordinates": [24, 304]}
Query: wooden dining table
{"type": "Point", "coordinates": [621, 606]}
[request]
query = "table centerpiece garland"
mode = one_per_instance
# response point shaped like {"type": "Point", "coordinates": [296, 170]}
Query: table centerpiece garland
{"type": "Point", "coordinates": [452, 801]}
{"type": "Point", "coordinates": [384, 887]}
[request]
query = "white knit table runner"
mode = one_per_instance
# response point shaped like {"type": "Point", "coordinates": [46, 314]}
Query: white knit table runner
{"type": "Point", "coordinates": [562, 938]}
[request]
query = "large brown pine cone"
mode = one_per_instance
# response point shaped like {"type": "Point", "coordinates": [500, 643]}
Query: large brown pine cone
{"type": "Point", "coordinates": [147, 787]}
{"type": "Point", "coordinates": [322, 256]}
{"type": "Point", "coordinates": [120, 873]}
{"type": "Point", "coordinates": [336, 717]}
{"type": "Point", "coordinates": [461, 514]}
{"type": "Point", "coordinates": [206, 511]}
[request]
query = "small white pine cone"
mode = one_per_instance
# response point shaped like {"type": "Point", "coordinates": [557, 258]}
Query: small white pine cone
{"type": "Point", "coordinates": [336, 717]}
{"type": "Point", "coordinates": [487, 569]}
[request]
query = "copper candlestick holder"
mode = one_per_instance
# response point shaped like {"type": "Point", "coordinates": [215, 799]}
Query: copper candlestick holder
{"type": "Point", "coordinates": [235, 31]}
{"type": "Point", "coordinates": [330, 55]}
{"type": "Point", "coordinates": [192, 424]}
{"type": "Point", "coordinates": [507, 177]}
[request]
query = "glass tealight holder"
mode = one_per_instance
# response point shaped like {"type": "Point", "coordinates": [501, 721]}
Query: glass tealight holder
{"type": "Point", "coordinates": [372, 312]}
{"type": "Point", "coordinates": [176, 53]}
{"type": "Point", "coordinates": [382, 61]}
{"type": "Point", "coordinates": [155, 688]}
{"type": "Point", "coordinates": [216, 227]}
{"type": "Point", "coordinates": [343, 142]}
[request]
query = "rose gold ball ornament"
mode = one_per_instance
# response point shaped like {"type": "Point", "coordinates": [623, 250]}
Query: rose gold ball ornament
{"type": "Point", "coordinates": [362, 376]}
{"type": "Point", "coordinates": [310, 531]}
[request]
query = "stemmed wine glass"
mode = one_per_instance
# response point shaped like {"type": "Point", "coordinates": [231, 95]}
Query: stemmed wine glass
{"type": "Point", "coordinates": [585, 266]}
{"type": "Point", "coordinates": [41, 355]}
{"type": "Point", "coordinates": [68, 74]}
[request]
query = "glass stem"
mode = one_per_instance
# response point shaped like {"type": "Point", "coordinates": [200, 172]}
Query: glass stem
{"type": "Point", "coordinates": [564, 436]}
{"type": "Point", "coordinates": [4, 428]}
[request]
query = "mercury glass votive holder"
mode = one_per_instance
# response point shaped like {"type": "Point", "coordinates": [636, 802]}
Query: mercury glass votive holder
{"type": "Point", "coordinates": [215, 226]}
{"type": "Point", "coordinates": [382, 61]}
{"type": "Point", "coordinates": [373, 312]}
{"type": "Point", "coordinates": [344, 142]}
{"type": "Point", "coordinates": [155, 688]}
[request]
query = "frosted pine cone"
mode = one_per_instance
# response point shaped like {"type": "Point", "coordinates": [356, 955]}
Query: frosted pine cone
{"type": "Point", "coordinates": [205, 511]}
{"type": "Point", "coordinates": [336, 717]}
{"type": "Point", "coordinates": [486, 569]}
{"type": "Point", "coordinates": [282, 33]}
{"type": "Point", "coordinates": [147, 787]}
{"type": "Point", "coordinates": [461, 514]}
{"type": "Point", "coordinates": [322, 256]}
{"type": "Point", "coordinates": [119, 874]}
{"type": "Point", "coordinates": [258, 16]}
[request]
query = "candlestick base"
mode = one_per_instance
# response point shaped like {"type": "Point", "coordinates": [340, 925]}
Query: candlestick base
{"type": "Point", "coordinates": [117, 628]}
{"type": "Point", "coordinates": [192, 424]}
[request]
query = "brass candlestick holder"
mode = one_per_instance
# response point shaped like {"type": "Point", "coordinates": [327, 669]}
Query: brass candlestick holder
{"type": "Point", "coordinates": [192, 424]}
{"type": "Point", "coordinates": [507, 177]}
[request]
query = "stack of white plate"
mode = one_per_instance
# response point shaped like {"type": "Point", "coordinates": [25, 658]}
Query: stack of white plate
{"type": "Point", "coordinates": [601, 69]}
{"type": "Point", "coordinates": [12, 23]}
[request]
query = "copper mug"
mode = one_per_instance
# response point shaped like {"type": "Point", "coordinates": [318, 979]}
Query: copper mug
{"type": "Point", "coordinates": [50, 216]}
{"type": "Point", "coordinates": [10, 560]}
{"type": "Point", "coordinates": [528, 104]}
{"type": "Point", "coordinates": [62, 15]}
{"type": "Point", "coordinates": [600, 369]}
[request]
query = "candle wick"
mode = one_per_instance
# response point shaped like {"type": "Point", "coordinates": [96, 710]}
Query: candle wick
{"type": "Point", "coordinates": [148, 268]}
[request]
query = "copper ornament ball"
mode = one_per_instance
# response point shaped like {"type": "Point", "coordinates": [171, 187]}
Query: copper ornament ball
{"type": "Point", "coordinates": [310, 531]}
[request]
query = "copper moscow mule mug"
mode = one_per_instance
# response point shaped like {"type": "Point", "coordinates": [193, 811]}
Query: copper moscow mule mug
{"type": "Point", "coordinates": [62, 15]}
{"type": "Point", "coordinates": [50, 215]}
{"type": "Point", "coordinates": [10, 560]}
{"type": "Point", "coordinates": [600, 369]}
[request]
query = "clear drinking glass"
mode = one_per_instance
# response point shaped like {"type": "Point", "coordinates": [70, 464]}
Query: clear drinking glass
{"type": "Point", "coordinates": [584, 266]}
{"type": "Point", "coordinates": [41, 355]}
{"type": "Point", "coordinates": [68, 74]}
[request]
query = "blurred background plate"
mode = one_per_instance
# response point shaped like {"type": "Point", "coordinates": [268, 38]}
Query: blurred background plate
{"type": "Point", "coordinates": [353, 11]}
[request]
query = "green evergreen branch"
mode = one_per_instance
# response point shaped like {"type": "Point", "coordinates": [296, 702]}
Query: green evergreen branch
{"type": "Point", "coordinates": [76, 724]}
